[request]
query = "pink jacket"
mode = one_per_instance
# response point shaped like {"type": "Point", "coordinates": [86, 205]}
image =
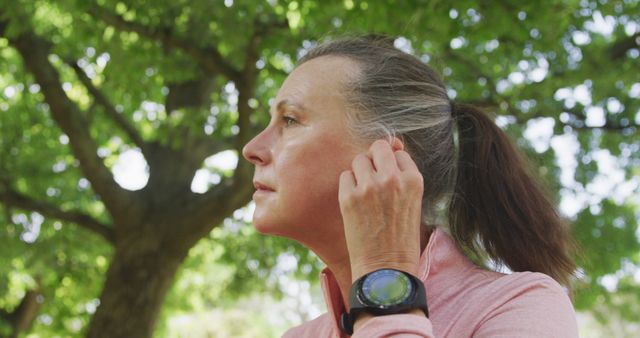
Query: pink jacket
{"type": "Point", "coordinates": [464, 301]}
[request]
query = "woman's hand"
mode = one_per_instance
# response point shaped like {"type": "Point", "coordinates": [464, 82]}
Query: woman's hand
{"type": "Point", "coordinates": [381, 202]}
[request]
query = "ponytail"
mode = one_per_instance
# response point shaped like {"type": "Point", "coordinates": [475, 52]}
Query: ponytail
{"type": "Point", "coordinates": [500, 208]}
{"type": "Point", "coordinates": [497, 206]}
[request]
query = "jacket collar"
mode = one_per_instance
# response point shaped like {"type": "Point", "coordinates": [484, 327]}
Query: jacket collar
{"type": "Point", "coordinates": [438, 261]}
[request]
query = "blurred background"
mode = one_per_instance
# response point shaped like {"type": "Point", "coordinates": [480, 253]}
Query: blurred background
{"type": "Point", "coordinates": [124, 211]}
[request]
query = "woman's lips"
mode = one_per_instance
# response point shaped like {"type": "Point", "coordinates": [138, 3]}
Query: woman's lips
{"type": "Point", "coordinates": [260, 187]}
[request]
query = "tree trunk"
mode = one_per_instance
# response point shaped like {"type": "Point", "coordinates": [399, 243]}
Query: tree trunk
{"type": "Point", "coordinates": [22, 317]}
{"type": "Point", "coordinates": [154, 228]}
{"type": "Point", "coordinates": [134, 291]}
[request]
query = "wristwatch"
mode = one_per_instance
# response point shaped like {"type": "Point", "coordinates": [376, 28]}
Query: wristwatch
{"type": "Point", "coordinates": [384, 292]}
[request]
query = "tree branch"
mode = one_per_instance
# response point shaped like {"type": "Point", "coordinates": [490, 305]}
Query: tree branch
{"type": "Point", "coordinates": [620, 48]}
{"type": "Point", "coordinates": [491, 85]}
{"type": "Point", "coordinates": [22, 317]}
{"type": "Point", "coordinates": [193, 93]}
{"type": "Point", "coordinates": [19, 200]}
{"type": "Point", "coordinates": [232, 193]}
{"type": "Point", "coordinates": [245, 92]}
{"type": "Point", "coordinates": [246, 89]}
{"type": "Point", "coordinates": [496, 99]}
{"type": "Point", "coordinates": [578, 122]}
{"type": "Point", "coordinates": [210, 58]}
{"type": "Point", "coordinates": [210, 147]}
{"type": "Point", "coordinates": [102, 100]}
{"type": "Point", "coordinates": [209, 210]}
{"type": "Point", "coordinates": [34, 51]}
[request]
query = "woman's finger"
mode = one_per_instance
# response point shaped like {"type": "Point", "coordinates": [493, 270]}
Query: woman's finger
{"type": "Point", "coordinates": [347, 184]}
{"type": "Point", "coordinates": [362, 169]}
{"type": "Point", "coordinates": [382, 156]}
{"type": "Point", "coordinates": [404, 161]}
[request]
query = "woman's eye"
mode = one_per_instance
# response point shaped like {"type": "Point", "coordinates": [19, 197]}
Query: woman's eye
{"type": "Point", "coordinates": [289, 121]}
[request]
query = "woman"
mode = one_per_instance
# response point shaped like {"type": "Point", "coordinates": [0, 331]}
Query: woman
{"type": "Point", "coordinates": [357, 163]}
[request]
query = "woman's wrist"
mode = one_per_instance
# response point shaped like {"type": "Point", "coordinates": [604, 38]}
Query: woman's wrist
{"type": "Point", "coordinates": [362, 269]}
{"type": "Point", "coordinates": [365, 317]}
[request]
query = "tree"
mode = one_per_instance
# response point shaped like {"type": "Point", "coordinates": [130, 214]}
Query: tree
{"type": "Point", "coordinates": [183, 80]}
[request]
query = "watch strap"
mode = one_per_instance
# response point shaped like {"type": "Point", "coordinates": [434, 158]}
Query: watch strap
{"type": "Point", "coordinates": [418, 301]}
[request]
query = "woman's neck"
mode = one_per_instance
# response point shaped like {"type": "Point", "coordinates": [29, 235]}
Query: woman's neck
{"type": "Point", "coordinates": [336, 256]}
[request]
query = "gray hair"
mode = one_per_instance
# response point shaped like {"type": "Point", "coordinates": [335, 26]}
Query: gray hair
{"type": "Point", "coordinates": [396, 95]}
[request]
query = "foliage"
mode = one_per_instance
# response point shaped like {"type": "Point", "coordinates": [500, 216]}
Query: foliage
{"type": "Point", "coordinates": [568, 65]}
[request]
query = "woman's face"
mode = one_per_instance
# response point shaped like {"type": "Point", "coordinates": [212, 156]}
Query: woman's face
{"type": "Point", "coordinates": [299, 156]}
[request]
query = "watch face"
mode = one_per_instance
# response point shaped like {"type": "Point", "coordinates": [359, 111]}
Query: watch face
{"type": "Point", "coordinates": [386, 288]}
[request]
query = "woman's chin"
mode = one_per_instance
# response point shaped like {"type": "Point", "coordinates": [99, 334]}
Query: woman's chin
{"type": "Point", "coordinates": [275, 229]}
{"type": "Point", "coordinates": [262, 229]}
{"type": "Point", "coordinates": [265, 228]}
{"type": "Point", "coordinates": [266, 224]}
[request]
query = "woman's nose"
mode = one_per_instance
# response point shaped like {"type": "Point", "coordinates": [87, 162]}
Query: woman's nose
{"type": "Point", "coordinates": [257, 150]}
